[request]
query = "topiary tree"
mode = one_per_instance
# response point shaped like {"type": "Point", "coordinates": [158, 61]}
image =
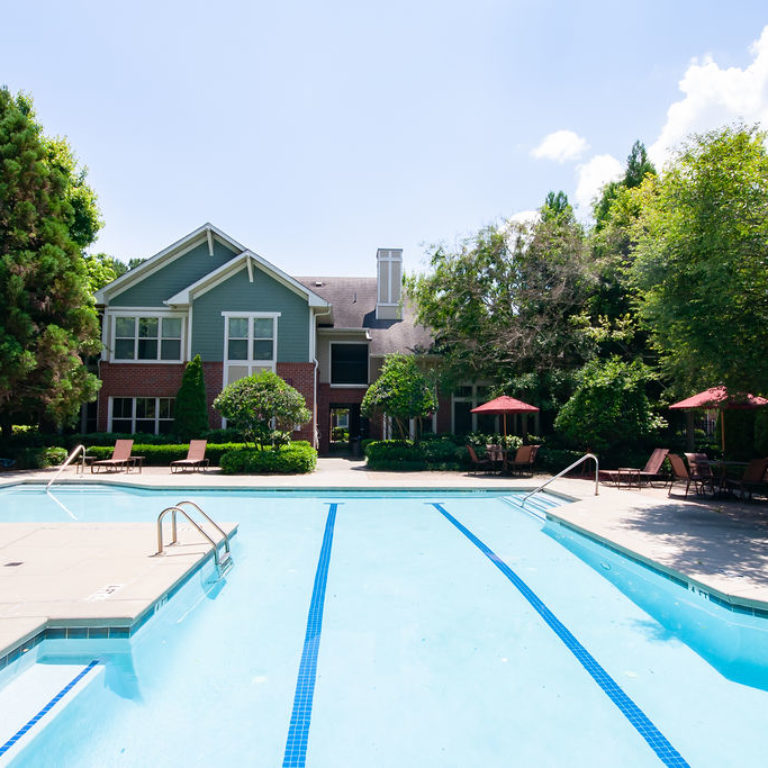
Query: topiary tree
{"type": "Point", "coordinates": [191, 407]}
{"type": "Point", "coordinates": [264, 408]}
{"type": "Point", "coordinates": [401, 392]}
{"type": "Point", "coordinates": [610, 408]}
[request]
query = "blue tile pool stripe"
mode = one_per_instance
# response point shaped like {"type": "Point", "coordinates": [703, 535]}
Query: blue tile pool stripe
{"type": "Point", "coordinates": [298, 732]}
{"type": "Point", "coordinates": [47, 708]}
{"type": "Point", "coordinates": [637, 718]}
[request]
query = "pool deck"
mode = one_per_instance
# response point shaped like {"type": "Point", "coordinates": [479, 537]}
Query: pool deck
{"type": "Point", "coordinates": [69, 571]}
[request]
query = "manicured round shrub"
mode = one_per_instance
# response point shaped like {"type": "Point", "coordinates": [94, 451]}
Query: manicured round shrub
{"type": "Point", "coordinates": [297, 458]}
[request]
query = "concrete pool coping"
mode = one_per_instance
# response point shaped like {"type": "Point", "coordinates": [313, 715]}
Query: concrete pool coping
{"type": "Point", "coordinates": [720, 546]}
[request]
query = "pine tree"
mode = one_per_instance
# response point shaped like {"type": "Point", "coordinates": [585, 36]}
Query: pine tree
{"type": "Point", "coordinates": [48, 323]}
{"type": "Point", "coordinates": [191, 407]}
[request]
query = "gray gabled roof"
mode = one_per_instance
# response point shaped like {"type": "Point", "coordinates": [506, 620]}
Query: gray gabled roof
{"type": "Point", "coordinates": [354, 307]}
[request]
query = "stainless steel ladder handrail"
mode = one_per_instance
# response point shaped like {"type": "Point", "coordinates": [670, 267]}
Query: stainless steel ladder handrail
{"type": "Point", "coordinates": [174, 537]}
{"type": "Point", "coordinates": [66, 463]}
{"type": "Point", "coordinates": [576, 463]}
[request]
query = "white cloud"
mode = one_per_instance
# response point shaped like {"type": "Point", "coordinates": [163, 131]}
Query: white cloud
{"type": "Point", "coordinates": [524, 217]}
{"type": "Point", "coordinates": [561, 146]}
{"type": "Point", "coordinates": [593, 174]}
{"type": "Point", "coordinates": [715, 97]}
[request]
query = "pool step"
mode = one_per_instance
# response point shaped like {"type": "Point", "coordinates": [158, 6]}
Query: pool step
{"type": "Point", "coordinates": [33, 698]}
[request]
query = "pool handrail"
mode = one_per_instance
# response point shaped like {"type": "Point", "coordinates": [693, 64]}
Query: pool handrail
{"type": "Point", "coordinates": [576, 463]}
{"type": "Point", "coordinates": [66, 463]}
{"type": "Point", "coordinates": [220, 562]}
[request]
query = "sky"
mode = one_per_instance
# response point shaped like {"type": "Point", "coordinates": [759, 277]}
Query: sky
{"type": "Point", "coordinates": [315, 133]}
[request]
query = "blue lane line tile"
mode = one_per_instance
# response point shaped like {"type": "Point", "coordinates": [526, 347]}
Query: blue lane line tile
{"type": "Point", "coordinates": [637, 718]}
{"type": "Point", "coordinates": [47, 708]}
{"type": "Point", "coordinates": [298, 731]}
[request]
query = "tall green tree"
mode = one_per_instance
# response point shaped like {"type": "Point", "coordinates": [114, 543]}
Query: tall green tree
{"type": "Point", "coordinates": [610, 308]}
{"type": "Point", "coordinates": [48, 215]}
{"type": "Point", "coordinates": [401, 392]}
{"type": "Point", "coordinates": [102, 269]}
{"type": "Point", "coordinates": [190, 408]}
{"type": "Point", "coordinates": [505, 301]}
{"type": "Point", "coordinates": [701, 262]}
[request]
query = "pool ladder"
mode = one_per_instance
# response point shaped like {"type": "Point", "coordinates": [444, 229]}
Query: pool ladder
{"type": "Point", "coordinates": [222, 560]}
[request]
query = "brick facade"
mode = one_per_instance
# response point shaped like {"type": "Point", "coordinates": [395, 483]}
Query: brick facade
{"type": "Point", "coordinates": [301, 376]}
{"type": "Point", "coordinates": [164, 380]}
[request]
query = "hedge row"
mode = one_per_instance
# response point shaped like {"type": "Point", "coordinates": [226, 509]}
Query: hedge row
{"type": "Point", "coordinates": [407, 456]}
{"type": "Point", "coordinates": [163, 455]}
{"type": "Point", "coordinates": [297, 458]}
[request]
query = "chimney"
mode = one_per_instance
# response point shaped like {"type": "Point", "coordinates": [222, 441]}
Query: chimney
{"type": "Point", "coordinates": [389, 273]}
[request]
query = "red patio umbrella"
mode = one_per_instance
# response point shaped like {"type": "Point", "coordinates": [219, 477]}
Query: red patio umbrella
{"type": "Point", "coordinates": [504, 405]}
{"type": "Point", "coordinates": [722, 399]}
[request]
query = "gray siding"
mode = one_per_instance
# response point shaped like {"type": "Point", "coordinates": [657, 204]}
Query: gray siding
{"type": "Point", "coordinates": [174, 277]}
{"type": "Point", "coordinates": [264, 294]}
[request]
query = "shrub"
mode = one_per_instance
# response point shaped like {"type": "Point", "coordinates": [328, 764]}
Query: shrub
{"type": "Point", "coordinates": [163, 455]}
{"type": "Point", "coordinates": [398, 455]}
{"type": "Point", "coordinates": [254, 403]}
{"type": "Point", "coordinates": [297, 458]}
{"type": "Point", "coordinates": [40, 458]}
{"type": "Point", "coordinates": [609, 407]}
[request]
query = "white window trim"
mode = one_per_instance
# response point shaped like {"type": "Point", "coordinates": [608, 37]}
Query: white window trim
{"type": "Point", "coordinates": [133, 399]}
{"type": "Point", "coordinates": [330, 366]}
{"type": "Point", "coordinates": [138, 314]}
{"type": "Point", "coordinates": [250, 363]}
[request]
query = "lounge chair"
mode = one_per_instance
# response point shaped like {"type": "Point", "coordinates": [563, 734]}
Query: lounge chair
{"type": "Point", "coordinates": [485, 464]}
{"type": "Point", "coordinates": [681, 473]}
{"type": "Point", "coordinates": [752, 481]}
{"type": "Point", "coordinates": [650, 472]}
{"type": "Point", "coordinates": [121, 457]}
{"type": "Point", "coordinates": [195, 457]}
{"type": "Point", "coordinates": [523, 461]}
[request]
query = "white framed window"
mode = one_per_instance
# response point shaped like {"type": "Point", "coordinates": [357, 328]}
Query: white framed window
{"type": "Point", "coordinates": [349, 364]}
{"type": "Point", "coordinates": [250, 344]}
{"type": "Point", "coordinates": [463, 400]}
{"type": "Point", "coordinates": [147, 337]}
{"type": "Point", "coordinates": [151, 415]}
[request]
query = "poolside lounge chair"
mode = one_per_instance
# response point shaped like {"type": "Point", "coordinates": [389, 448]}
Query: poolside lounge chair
{"type": "Point", "coordinates": [195, 457]}
{"type": "Point", "coordinates": [523, 461]}
{"type": "Point", "coordinates": [485, 464]}
{"type": "Point", "coordinates": [681, 473]}
{"type": "Point", "coordinates": [650, 472]}
{"type": "Point", "coordinates": [752, 481]}
{"type": "Point", "coordinates": [121, 457]}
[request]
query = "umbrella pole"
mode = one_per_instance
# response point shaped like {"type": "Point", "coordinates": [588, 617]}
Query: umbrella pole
{"type": "Point", "coordinates": [722, 430]}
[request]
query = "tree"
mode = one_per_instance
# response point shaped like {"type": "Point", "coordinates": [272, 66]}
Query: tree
{"type": "Point", "coordinates": [102, 269]}
{"type": "Point", "coordinates": [504, 303]}
{"type": "Point", "coordinates": [48, 215]}
{"type": "Point", "coordinates": [700, 262]}
{"type": "Point", "coordinates": [610, 408]}
{"type": "Point", "coordinates": [264, 408]}
{"type": "Point", "coordinates": [610, 310]}
{"type": "Point", "coordinates": [401, 392]}
{"type": "Point", "coordinates": [190, 416]}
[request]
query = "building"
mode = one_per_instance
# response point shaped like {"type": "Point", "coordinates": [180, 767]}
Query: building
{"type": "Point", "coordinates": [207, 294]}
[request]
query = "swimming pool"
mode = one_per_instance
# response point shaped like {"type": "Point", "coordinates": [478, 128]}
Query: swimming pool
{"type": "Point", "coordinates": [429, 629]}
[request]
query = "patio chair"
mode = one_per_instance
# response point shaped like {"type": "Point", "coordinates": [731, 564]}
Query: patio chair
{"type": "Point", "coordinates": [680, 473]}
{"type": "Point", "coordinates": [485, 464]}
{"type": "Point", "coordinates": [701, 469]}
{"type": "Point", "coordinates": [752, 481]}
{"type": "Point", "coordinates": [523, 461]}
{"type": "Point", "coordinates": [650, 472]}
{"type": "Point", "coordinates": [195, 458]}
{"type": "Point", "coordinates": [120, 459]}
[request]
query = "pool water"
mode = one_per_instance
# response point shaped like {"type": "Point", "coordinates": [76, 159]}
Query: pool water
{"type": "Point", "coordinates": [407, 630]}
